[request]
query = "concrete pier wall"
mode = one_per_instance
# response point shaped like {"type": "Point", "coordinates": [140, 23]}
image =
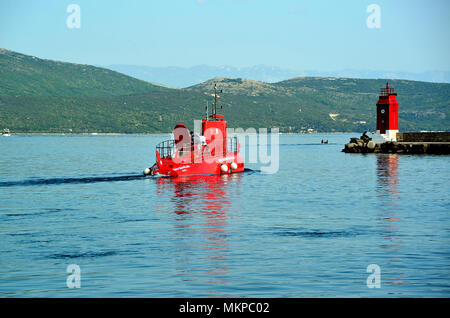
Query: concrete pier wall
{"type": "Point", "coordinates": [423, 137]}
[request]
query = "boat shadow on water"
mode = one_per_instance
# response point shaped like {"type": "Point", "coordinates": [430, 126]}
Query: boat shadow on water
{"type": "Point", "coordinates": [63, 180]}
{"type": "Point", "coordinates": [94, 179]}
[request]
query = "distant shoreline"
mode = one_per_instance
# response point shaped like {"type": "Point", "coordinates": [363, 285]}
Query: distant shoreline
{"type": "Point", "coordinates": [160, 133]}
{"type": "Point", "coordinates": [86, 134]}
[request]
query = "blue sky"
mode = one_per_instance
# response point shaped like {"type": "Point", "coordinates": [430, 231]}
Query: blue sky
{"type": "Point", "coordinates": [301, 35]}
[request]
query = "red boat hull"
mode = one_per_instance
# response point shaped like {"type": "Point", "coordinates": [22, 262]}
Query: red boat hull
{"type": "Point", "coordinates": [208, 166]}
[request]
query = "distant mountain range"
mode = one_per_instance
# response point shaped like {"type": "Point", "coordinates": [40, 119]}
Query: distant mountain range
{"type": "Point", "coordinates": [38, 95]}
{"type": "Point", "coordinates": [180, 77]}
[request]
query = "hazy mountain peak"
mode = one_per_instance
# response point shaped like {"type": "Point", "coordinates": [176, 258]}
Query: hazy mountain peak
{"type": "Point", "coordinates": [175, 76]}
{"type": "Point", "coordinates": [236, 86]}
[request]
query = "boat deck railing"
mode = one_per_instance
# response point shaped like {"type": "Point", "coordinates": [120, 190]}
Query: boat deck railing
{"type": "Point", "coordinates": [168, 147]}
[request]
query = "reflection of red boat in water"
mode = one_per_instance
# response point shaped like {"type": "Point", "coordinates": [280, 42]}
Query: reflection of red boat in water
{"type": "Point", "coordinates": [203, 193]}
{"type": "Point", "coordinates": [201, 206]}
{"type": "Point", "coordinates": [210, 152]}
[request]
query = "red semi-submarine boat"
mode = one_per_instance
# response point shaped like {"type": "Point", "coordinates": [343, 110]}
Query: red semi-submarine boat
{"type": "Point", "coordinates": [208, 153]}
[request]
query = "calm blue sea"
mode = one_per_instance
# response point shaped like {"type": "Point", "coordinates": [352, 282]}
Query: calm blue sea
{"type": "Point", "coordinates": [310, 230]}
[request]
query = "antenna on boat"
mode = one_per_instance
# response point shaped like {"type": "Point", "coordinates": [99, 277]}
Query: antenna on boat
{"type": "Point", "coordinates": [215, 101]}
{"type": "Point", "coordinates": [206, 110]}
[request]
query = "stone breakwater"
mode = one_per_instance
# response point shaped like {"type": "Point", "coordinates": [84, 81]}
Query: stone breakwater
{"type": "Point", "coordinates": [437, 143]}
{"type": "Point", "coordinates": [357, 145]}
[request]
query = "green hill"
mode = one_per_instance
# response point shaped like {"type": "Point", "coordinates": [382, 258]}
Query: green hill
{"type": "Point", "coordinates": [30, 76]}
{"type": "Point", "coordinates": [331, 104]}
{"type": "Point", "coordinates": [39, 95]}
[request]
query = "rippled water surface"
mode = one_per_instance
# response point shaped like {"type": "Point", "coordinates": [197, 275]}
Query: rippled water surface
{"type": "Point", "coordinates": [309, 230]}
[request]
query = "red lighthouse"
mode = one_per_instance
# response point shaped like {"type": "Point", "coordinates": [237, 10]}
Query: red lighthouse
{"type": "Point", "coordinates": [387, 114]}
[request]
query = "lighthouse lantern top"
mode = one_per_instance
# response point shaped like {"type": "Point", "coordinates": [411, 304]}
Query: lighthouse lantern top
{"type": "Point", "coordinates": [387, 91]}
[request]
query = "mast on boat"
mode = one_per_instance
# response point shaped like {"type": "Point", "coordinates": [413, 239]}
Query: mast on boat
{"type": "Point", "coordinates": [214, 115]}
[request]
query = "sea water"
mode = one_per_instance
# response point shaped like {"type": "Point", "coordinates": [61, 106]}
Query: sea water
{"type": "Point", "coordinates": [310, 230]}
